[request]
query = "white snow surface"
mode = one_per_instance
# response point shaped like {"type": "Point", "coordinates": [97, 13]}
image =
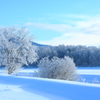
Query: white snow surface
{"type": "Point", "coordinates": [89, 71]}
{"type": "Point", "coordinates": [33, 88]}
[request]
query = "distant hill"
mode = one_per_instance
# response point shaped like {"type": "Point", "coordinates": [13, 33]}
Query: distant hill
{"type": "Point", "coordinates": [37, 44]}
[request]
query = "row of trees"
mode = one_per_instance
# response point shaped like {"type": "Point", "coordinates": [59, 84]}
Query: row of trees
{"type": "Point", "coordinates": [82, 55]}
{"type": "Point", "coordinates": [15, 47]}
{"type": "Point", "coordinates": [57, 62]}
{"type": "Point", "coordinates": [16, 50]}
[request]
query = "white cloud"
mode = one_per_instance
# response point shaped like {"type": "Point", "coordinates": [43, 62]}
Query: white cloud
{"type": "Point", "coordinates": [54, 27]}
{"type": "Point", "coordinates": [83, 33]}
{"type": "Point", "coordinates": [75, 39]}
{"type": "Point", "coordinates": [72, 16]}
{"type": "Point", "coordinates": [75, 16]}
{"type": "Point", "coordinates": [93, 29]}
{"type": "Point", "coordinates": [88, 22]}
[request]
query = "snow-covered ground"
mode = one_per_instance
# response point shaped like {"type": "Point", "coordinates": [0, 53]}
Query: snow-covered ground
{"type": "Point", "coordinates": [32, 88]}
{"type": "Point", "coordinates": [90, 75]}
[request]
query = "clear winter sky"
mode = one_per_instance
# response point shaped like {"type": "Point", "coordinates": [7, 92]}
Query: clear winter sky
{"type": "Point", "coordinates": [54, 22]}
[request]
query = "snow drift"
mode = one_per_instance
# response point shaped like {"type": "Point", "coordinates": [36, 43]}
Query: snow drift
{"type": "Point", "coordinates": [54, 89]}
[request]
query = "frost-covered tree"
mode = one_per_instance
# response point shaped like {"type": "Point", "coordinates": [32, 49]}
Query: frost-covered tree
{"type": "Point", "coordinates": [16, 49]}
{"type": "Point", "coordinates": [61, 49]}
{"type": "Point", "coordinates": [82, 55]}
{"type": "Point", "coordinates": [44, 51]}
{"type": "Point", "coordinates": [57, 68]}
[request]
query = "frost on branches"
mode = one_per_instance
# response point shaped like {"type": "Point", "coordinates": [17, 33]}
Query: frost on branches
{"type": "Point", "coordinates": [57, 68]}
{"type": "Point", "coordinates": [16, 49]}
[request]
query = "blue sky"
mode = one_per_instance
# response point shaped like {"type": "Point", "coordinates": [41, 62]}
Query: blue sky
{"type": "Point", "coordinates": [55, 22]}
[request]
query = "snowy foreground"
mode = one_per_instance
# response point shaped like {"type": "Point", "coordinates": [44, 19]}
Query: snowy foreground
{"type": "Point", "coordinates": [31, 88]}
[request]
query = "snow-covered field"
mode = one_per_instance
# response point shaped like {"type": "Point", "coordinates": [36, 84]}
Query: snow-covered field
{"type": "Point", "coordinates": [24, 87]}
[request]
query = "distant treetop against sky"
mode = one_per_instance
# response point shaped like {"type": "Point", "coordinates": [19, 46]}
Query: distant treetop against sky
{"type": "Point", "coordinates": [55, 22]}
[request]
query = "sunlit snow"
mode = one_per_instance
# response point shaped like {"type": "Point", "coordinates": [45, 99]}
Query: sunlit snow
{"type": "Point", "coordinates": [33, 88]}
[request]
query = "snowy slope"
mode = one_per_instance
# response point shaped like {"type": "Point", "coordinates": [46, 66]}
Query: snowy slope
{"type": "Point", "coordinates": [29, 88]}
{"type": "Point", "coordinates": [13, 92]}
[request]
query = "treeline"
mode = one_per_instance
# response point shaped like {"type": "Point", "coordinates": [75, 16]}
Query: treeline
{"type": "Point", "coordinates": [82, 55]}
